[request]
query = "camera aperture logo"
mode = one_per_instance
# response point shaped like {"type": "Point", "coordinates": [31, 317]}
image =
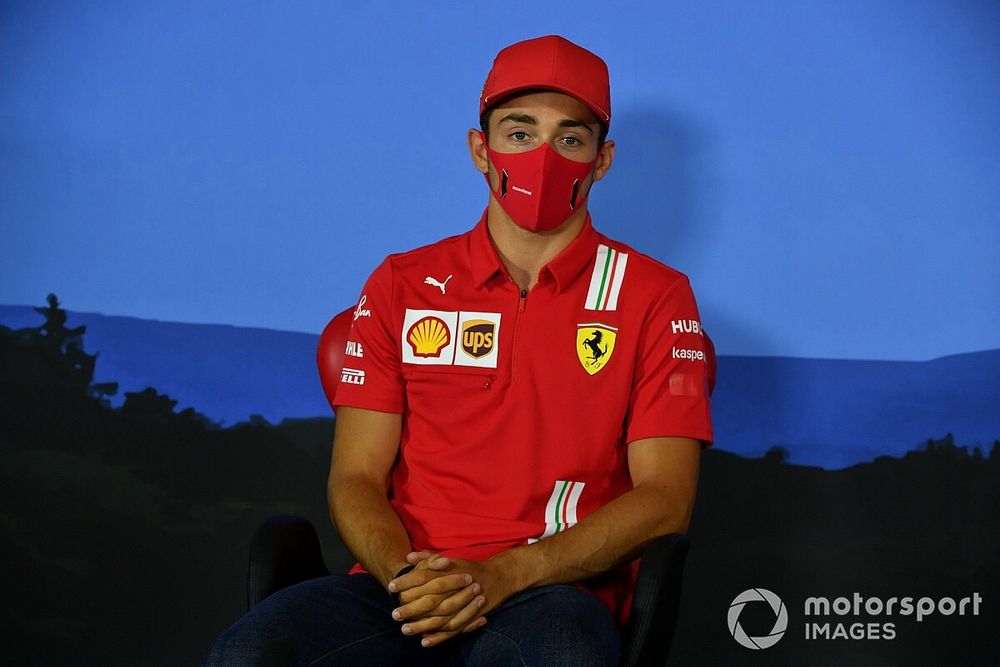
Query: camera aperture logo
{"type": "Point", "coordinates": [780, 618]}
{"type": "Point", "coordinates": [825, 619]}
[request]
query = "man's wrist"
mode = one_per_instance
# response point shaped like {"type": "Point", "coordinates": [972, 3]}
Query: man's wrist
{"type": "Point", "coordinates": [389, 571]}
{"type": "Point", "coordinates": [518, 563]}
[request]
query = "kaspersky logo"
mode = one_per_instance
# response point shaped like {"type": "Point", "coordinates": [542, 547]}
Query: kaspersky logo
{"type": "Point", "coordinates": [780, 618]}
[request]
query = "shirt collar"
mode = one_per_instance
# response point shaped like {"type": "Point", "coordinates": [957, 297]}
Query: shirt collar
{"type": "Point", "coordinates": [486, 264]}
{"type": "Point", "coordinates": [483, 256]}
{"type": "Point", "coordinates": [575, 257]}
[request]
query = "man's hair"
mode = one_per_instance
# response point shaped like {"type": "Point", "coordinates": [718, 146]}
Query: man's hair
{"type": "Point", "coordinates": [484, 125]}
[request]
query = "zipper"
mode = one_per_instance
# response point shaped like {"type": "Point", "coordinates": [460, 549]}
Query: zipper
{"type": "Point", "coordinates": [522, 299]}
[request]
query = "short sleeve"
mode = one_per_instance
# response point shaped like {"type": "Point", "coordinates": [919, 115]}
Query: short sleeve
{"type": "Point", "coordinates": [372, 375]}
{"type": "Point", "coordinates": [670, 388]}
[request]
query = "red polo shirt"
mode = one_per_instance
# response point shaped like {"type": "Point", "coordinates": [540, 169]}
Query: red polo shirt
{"type": "Point", "coordinates": [518, 407]}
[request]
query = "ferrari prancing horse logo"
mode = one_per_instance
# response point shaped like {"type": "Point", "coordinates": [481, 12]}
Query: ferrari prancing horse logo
{"type": "Point", "coordinates": [595, 342]}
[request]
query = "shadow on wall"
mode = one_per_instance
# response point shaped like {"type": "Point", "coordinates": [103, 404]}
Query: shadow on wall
{"type": "Point", "coordinates": [658, 195]}
{"type": "Point", "coordinates": [661, 197]}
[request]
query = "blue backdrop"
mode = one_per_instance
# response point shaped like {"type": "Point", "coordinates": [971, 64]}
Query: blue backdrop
{"type": "Point", "coordinates": [827, 173]}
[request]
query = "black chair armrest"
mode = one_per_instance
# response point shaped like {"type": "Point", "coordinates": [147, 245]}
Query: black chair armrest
{"type": "Point", "coordinates": [655, 601]}
{"type": "Point", "coordinates": [285, 551]}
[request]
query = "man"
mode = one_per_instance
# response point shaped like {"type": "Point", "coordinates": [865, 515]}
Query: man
{"type": "Point", "coordinates": [526, 411]}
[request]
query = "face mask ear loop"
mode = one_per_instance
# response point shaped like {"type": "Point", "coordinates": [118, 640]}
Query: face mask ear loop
{"type": "Point", "coordinates": [502, 192]}
{"type": "Point", "coordinates": [576, 185]}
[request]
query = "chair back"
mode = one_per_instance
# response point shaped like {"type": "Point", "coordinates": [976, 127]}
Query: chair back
{"type": "Point", "coordinates": [330, 352]}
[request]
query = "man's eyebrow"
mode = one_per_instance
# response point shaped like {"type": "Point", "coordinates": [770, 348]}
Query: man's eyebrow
{"type": "Point", "coordinates": [531, 120]}
{"type": "Point", "coordinates": [569, 122]}
{"type": "Point", "coordinates": [519, 118]}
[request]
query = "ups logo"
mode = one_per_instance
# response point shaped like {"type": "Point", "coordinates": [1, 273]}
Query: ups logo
{"type": "Point", "coordinates": [478, 337]}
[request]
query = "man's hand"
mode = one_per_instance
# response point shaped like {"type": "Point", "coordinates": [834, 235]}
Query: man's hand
{"type": "Point", "coordinates": [438, 616]}
{"type": "Point", "coordinates": [437, 596]}
{"type": "Point", "coordinates": [430, 578]}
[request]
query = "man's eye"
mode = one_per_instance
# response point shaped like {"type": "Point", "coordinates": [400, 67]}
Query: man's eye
{"type": "Point", "coordinates": [518, 136]}
{"type": "Point", "coordinates": [571, 141]}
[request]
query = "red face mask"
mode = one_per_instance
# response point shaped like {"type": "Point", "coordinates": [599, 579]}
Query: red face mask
{"type": "Point", "coordinates": [539, 189]}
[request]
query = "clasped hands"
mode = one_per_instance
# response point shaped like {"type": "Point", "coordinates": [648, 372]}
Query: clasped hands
{"type": "Point", "coordinates": [442, 597]}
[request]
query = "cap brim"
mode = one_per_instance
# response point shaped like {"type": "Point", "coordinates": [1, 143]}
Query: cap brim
{"type": "Point", "coordinates": [500, 95]}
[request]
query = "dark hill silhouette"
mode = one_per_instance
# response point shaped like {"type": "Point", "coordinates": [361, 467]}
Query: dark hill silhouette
{"type": "Point", "coordinates": [125, 533]}
{"type": "Point", "coordinates": [835, 413]}
{"type": "Point", "coordinates": [119, 526]}
{"type": "Point", "coordinates": [228, 373]}
{"type": "Point", "coordinates": [831, 413]}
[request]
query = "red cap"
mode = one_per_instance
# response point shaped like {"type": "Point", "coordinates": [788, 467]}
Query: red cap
{"type": "Point", "coordinates": [549, 62]}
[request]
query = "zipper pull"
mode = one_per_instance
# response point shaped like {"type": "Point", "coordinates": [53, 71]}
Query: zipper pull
{"type": "Point", "coordinates": [489, 382]}
{"type": "Point", "coordinates": [520, 304]}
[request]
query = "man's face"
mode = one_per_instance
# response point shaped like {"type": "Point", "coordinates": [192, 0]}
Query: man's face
{"type": "Point", "coordinates": [524, 122]}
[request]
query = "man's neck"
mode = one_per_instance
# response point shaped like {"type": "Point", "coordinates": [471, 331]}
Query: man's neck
{"type": "Point", "coordinates": [524, 253]}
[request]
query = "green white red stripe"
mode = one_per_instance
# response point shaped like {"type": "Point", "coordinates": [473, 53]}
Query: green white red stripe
{"type": "Point", "coordinates": [560, 511]}
{"type": "Point", "coordinates": [606, 280]}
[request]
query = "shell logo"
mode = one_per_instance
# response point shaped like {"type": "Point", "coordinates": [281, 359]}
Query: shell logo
{"type": "Point", "coordinates": [428, 336]}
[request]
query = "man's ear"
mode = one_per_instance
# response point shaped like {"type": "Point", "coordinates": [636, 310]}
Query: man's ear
{"type": "Point", "coordinates": [605, 156]}
{"type": "Point", "coordinates": [477, 150]}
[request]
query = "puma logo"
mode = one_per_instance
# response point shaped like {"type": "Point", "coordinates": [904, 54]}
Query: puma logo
{"type": "Point", "coordinates": [431, 281]}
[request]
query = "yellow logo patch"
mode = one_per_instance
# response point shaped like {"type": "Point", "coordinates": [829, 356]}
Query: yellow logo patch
{"type": "Point", "coordinates": [595, 342]}
{"type": "Point", "coordinates": [428, 336]}
{"type": "Point", "coordinates": [477, 337]}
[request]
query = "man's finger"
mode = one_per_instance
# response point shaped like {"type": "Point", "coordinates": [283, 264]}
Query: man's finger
{"type": "Point", "coordinates": [412, 579]}
{"type": "Point", "coordinates": [430, 624]}
{"type": "Point", "coordinates": [475, 625]}
{"type": "Point", "coordinates": [434, 638]}
{"type": "Point", "coordinates": [438, 628]}
{"type": "Point", "coordinates": [433, 560]}
{"type": "Point", "coordinates": [423, 624]}
{"type": "Point", "coordinates": [418, 608]}
{"type": "Point", "coordinates": [452, 604]}
{"type": "Point", "coordinates": [440, 585]}
{"type": "Point", "coordinates": [415, 557]}
{"type": "Point", "coordinates": [466, 615]}
{"type": "Point", "coordinates": [434, 604]}
{"type": "Point", "coordinates": [438, 562]}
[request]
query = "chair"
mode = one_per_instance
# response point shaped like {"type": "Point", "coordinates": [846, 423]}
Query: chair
{"type": "Point", "coordinates": [286, 550]}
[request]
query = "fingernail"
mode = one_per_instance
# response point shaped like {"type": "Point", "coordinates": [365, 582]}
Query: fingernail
{"type": "Point", "coordinates": [468, 579]}
{"type": "Point", "coordinates": [396, 615]}
{"type": "Point", "coordinates": [392, 586]}
{"type": "Point", "coordinates": [477, 589]}
{"type": "Point", "coordinates": [425, 642]}
{"type": "Point", "coordinates": [407, 630]}
{"type": "Point", "coordinates": [480, 602]}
